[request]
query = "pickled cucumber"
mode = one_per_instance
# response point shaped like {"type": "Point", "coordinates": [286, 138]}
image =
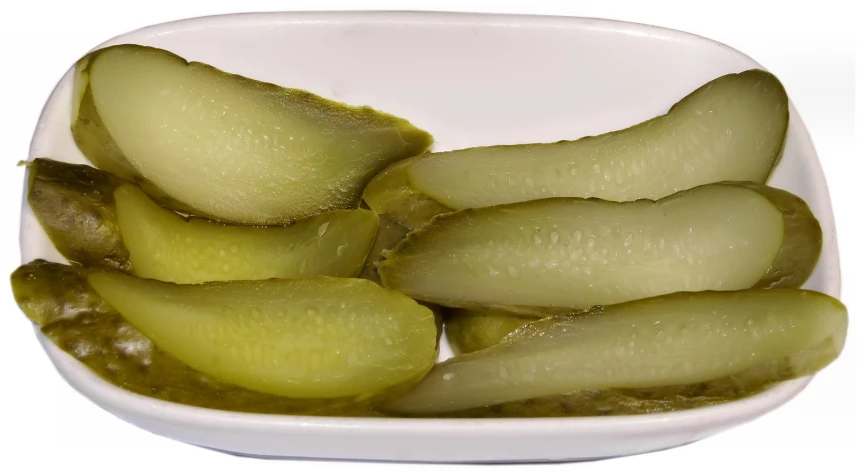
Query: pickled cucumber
{"type": "Point", "coordinates": [731, 129]}
{"type": "Point", "coordinates": [316, 337]}
{"type": "Point", "coordinates": [168, 247]}
{"type": "Point", "coordinates": [74, 317]}
{"type": "Point", "coordinates": [98, 220]}
{"type": "Point", "coordinates": [228, 147]}
{"type": "Point", "coordinates": [680, 339]}
{"type": "Point", "coordinates": [74, 205]}
{"type": "Point", "coordinates": [574, 253]}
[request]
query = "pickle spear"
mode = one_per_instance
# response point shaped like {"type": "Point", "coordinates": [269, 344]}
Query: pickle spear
{"type": "Point", "coordinates": [573, 253]}
{"type": "Point", "coordinates": [673, 340]}
{"type": "Point", "coordinates": [98, 220]}
{"type": "Point", "coordinates": [225, 146]}
{"type": "Point", "coordinates": [316, 337]}
{"type": "Point", "coordinates": [731, 129]}
{"type": "Point", "coordinates": [74, 317]}
{"type": "Point", "coordinates": [168, 247]}
{"type": "Point", "coordinates": [75, 206]}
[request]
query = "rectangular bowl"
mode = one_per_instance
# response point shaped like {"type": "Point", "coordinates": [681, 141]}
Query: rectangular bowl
{"type": "Point", "coordinates": [469, 79]}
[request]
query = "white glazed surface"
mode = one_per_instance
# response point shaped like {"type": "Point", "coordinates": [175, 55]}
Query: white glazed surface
{"type": "Point", "coordinates": [469, 79]}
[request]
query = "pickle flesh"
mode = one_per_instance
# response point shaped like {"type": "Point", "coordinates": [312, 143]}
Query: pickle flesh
{"type": "Point", "coordinates": [74, 205]}
{"type": "Point", "coordinates": [673, 340]}
{"type": "Point", "coordinates": [574, 253]}
{"type": "Point", "coordinates": [316, 337]}
{"type": "Point", "coordinates": [74, 317]}
{"type": "Point", "coordinates": [732, 128]}
{"type": "Point", "coordinates": [165, 246]}
{"type": "Point", "coordinates": [228, 147]}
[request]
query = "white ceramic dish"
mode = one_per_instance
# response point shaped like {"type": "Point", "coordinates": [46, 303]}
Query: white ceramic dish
{"type": "Point", "coordinates": [470, 79]}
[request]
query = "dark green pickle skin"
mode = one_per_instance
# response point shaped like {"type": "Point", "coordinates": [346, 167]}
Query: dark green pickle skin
{"type": "Point", "coordinates": [74, 205]}
{"type": "Point", "coordinates": [74, 317]}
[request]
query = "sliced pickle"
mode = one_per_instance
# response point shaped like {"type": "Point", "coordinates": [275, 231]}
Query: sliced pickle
{"type": "Point", "coordinates": [731, 129]}
{"type": "Point", "coordinates": [316, 337]}
{"type": "Point", "coordinates": [577, 253]}
{"type": "Point", "coordinates": [681, 339]}
{"type": "Point", "coordinates": [168, 247]}
{"type": "Point", "coordinates": [74, 317]}
{"type": "Point", "coordinates": [225, 146]}
{"type": "Point", "coordinates": [98, 220]}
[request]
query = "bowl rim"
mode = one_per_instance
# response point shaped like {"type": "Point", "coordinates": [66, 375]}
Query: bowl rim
{"type": "Point", "coordinates": [108, 395]}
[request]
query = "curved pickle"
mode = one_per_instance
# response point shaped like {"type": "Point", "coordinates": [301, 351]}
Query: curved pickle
{"type": "Point", "coordinates": [731, 129]}
{"type": "Point", "coordinates": [740, 340]}
{"type": "Point", "coordinates": [75, 206]}
{"type": "Point", "coordinates": [175, 127]}
{"type": "Point", "coordinates": [536, 257]}
{"type": "Point", "coordinates": [168, 247]}
{"type": "Point", "coordinates": [98, 220]}
{"type": "Point", "coordinates": [316, 337]}
{"type": "Point", "coordinates": [469, 331]}
{"type": "Point", "coordinates": [73, 316]}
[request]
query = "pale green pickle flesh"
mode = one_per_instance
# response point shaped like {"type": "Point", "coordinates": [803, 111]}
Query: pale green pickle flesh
{"type": "Point", "coordinates": [537, 257]}
{"type": "Point", "coordinates": [731, 129]}
{"type": "Point", "coordinates": [168, 247]}
{"type": "Point", "coordinates": [74, 317]}
{"type": "Point", "coordinates": [742, 340]}
{"type": "Point", "coordinates": [317, 337]}
{"type": "Point", "coordinates": [148, 108]}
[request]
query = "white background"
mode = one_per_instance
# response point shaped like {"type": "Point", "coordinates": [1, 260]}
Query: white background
{"type": "Point", "coordinates": [810, 46]}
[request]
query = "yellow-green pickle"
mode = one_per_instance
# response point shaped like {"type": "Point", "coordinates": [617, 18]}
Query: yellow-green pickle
{"type": "Point", "coordinates": [561, 253]}
{"type": "Point", "coordinates": [227, 147]}
{"type": "Point", "coordinates": [98, 220]}
{"type": "Point", "coordinates": [77, 319]}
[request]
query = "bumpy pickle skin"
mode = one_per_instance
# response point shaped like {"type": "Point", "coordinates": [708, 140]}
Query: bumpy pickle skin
{"type": "Point", "coordinates": [738, 341]}
{"type": "Point", "coordinates": [317, 337]}
{"type": "Point", "coordinates": [540, 256]}
{"type": "Point", "coordinates": [175, 126]}
{"type": "Point", "coordinates": [731, 129]}
{"type": "Point", "coordinates": [166, 246]}
{"type": "Point", "coordinates": [74, 205]}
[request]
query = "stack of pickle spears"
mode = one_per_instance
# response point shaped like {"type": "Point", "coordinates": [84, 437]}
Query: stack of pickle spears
{"type": "Point", "coordinates": [247, 247]}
